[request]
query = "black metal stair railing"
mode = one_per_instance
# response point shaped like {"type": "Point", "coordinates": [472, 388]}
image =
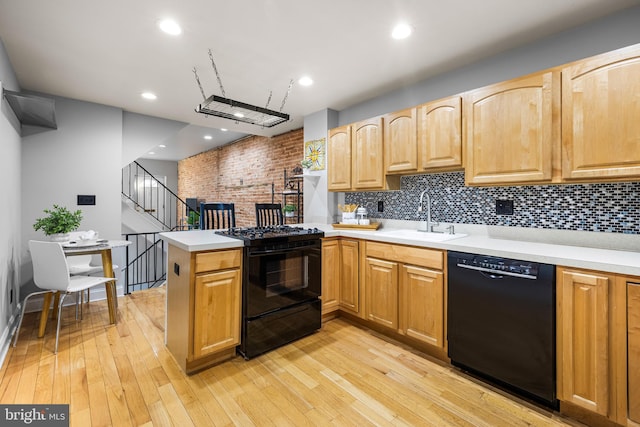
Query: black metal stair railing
{"type": "Point", "coordinates": [146, 261]}
{"type": "Point", "coordinates": [153, 197]}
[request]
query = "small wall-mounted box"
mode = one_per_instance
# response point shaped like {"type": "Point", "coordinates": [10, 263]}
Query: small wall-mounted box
{"type": "Point", "coordinates": [84, 199]}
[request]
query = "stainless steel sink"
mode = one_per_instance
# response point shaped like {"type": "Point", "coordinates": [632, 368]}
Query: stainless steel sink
{"type": "Point", "coordinates": [421, 235]}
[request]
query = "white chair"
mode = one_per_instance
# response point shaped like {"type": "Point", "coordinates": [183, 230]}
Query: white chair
{"type": "Point", "coordinates": [51, 274]}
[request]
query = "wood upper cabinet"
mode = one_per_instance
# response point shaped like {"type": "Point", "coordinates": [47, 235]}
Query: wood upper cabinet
{"type": "Point", "coordinates": [511, 129]}
{"type": "Point", "coordinates": [367, 160]}
{"type": "Point", "coordinates": [339, 159]}
{"type": "Point", "coordinates": [349, 276]}
{"type": "Point", "coordinates": [331, 275]}
{"type": "Point", "coordinates": [601, 116]}
{"type": "Point", "coordinates": [217, 312]}
{"type": "Point", "coordinates": [422, 305]}
{"type": "Point", "coordinates": [633, 350]}
{"type": "Point", "coordinates": [583, 338]}
{"type": "Point", "coordinates": [440, 134]}
{"type": "Point", "coordinates": [381, 278]}
{"type": "Point", "coordinates": [400, 141]}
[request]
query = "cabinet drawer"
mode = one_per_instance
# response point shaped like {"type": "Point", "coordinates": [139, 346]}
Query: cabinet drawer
{"type": "Point", "coordinates": [220, 260]}
{"type": "Point", "coordinates": [431, 258]}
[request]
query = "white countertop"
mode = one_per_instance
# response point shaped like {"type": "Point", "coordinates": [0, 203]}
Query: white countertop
{"type": "Point", "coordinates": [609, 260]}
{"type": "Point", "coordinates": [200, 240]}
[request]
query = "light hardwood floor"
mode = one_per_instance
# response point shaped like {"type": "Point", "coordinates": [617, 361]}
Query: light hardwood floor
{"type": "Point", "coordinates": [343, 375]}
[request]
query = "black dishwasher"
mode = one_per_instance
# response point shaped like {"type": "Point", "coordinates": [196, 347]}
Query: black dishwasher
{"type": "Point", "coordinates": [501, 323]}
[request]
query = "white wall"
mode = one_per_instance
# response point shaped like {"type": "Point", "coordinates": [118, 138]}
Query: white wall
{"type": "Point", "coordinates": [10, 214]}
{"type": "Point", "coordinates": [82, 156]}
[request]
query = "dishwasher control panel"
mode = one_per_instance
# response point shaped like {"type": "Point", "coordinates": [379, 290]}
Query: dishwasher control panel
{"type": "Point", "coordinates": [497, 265]}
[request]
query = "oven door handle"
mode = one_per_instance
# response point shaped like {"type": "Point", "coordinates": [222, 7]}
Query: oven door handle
{"type": "Point", "coordinates": [261, 252]}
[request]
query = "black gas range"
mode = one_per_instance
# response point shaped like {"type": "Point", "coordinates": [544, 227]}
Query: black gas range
{"type": "Point", "coordinates": [261, 236]}
{"type": "Point", "coordinates": [281, 285]}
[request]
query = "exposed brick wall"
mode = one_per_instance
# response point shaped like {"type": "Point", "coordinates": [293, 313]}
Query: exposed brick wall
{"type": "Point", "coordinates": [242, 172]}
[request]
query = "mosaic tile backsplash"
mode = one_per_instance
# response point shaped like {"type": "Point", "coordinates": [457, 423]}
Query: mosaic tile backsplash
{"type": "Point", "coordinates": [610, 207]}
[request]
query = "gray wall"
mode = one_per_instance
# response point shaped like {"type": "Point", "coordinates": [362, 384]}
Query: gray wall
{"type": "Point", "coordinates": [142, 133]}
{"type": "Point", "coordinates": [160, 168]}
{"type": "Point", "coordinates": [612, 32]}
{"type": "Point", "coordinates": [81, 157]}
{"type": "Point", "coordinates": [316, 205]}
{"type": "Point", "coordinates": [10, 214]}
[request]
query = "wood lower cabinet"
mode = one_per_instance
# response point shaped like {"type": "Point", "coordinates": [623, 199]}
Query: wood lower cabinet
{"type": "Point", "coordinates": [331, 275]}
{"type": "Point", "coordinates": [216, 312]}
{"type": "Point", "coordinates": [600, 117]}
{"type": "Point", "coordinates": [349, 276]}
{"type": "Point", "coordinates": [583, 339]}
{"type": "Point", "coordinates": [511, 129]}
{"type": "Point", "coordinates": [381, 278]}
{"type": "Point", "coordinates": [633, 351]}
{"type": "Point", "coordinates": [405, 291]}
{"type": "Point", "coordinates": [598, 333]}
{"type": "Point", "coordinates": [422, 305]}
{"type": "Point", "coordinates": [203, 306]}
{"type": "Point", "coordinates": [440, 134]}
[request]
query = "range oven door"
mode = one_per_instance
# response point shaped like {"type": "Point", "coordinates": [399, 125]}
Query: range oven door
{"type": "Point", "coordinates": [280, 277]}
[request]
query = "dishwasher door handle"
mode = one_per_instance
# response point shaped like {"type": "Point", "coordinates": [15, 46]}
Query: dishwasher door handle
{"type": "Point", "coordinates": [496, 274]}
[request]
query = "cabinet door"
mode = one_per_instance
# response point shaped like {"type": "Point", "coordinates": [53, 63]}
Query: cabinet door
{"type": "Point", "coordinates": [381, 286]}
{"type": "Point", "coordinates": [216, 323]}
{"type": "Point", "coordinates": [339, 159]}
{"type": "Point", "coordinates": [367, 162]}
{"type": "Point", "coordinates": [510, 130]}
{"type": "Point", "coordinates": [331, 274]}
{"type": "Point", "coordinates": [422, 307]}
{"type": "Point", "coordinates": [440, 134]}
{"type": "Point", "coordinates": [633, 350]}
{"type": "Point", "coordinates": [400, 141]}
{"type": "Point", "coordinates": [349, 283]}
{"type": "Point", "coordinates": [601, 116]}
{"type": "Point", "coordinates": [583, 331]}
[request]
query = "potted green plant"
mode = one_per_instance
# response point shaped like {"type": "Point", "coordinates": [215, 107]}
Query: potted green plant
{"type": "Point", "coordinates": [193, 219]}
{"type": "Point", "coordinates": [289, 210]}
{"type": "Point", "coordinates": [58, 223]}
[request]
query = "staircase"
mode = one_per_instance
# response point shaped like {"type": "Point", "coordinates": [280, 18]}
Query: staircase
{"type": "Point", "coordinates": [158, 208]}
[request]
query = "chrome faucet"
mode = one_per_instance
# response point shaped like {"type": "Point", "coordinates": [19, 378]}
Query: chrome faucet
{"type": "Point", "coordinates": [426, 225]}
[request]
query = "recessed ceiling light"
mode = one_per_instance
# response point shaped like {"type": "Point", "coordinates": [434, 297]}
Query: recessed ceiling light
{"type": "Point", "coordinates": [152, 152]}
{"type": "Point", "coordinates": [150, 96]}
{"type": "Point", "coordinates": [238, 114]}
{"type": "Point", "coordinates": [224, 129]}
{"type": "Point", "coordinates": [162, 146]}
{"type": "Point", "coordinates": [208, 137]}
{"type": "Point", "coordinates": [305, 81]}
{"type": "Point", "coordinates": [401, 31]}
{"type": "Point", "coordinates": [170, 26]}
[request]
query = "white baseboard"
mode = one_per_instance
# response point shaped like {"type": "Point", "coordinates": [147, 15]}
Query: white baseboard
{"type": "Point", "coordinates": [5, 338]}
